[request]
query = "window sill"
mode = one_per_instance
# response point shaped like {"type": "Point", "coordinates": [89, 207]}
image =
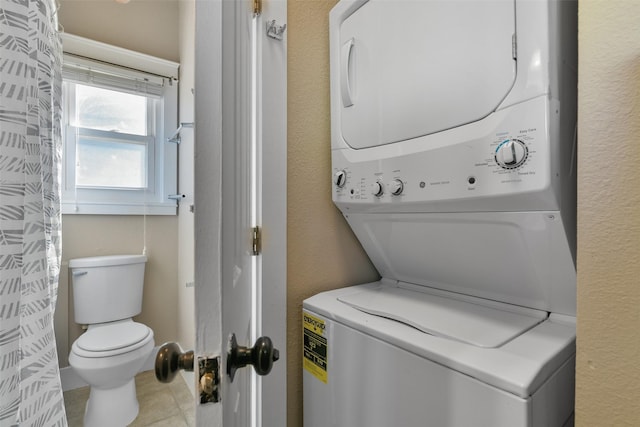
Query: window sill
{"type": "Point", "coordinates": [72, 208]}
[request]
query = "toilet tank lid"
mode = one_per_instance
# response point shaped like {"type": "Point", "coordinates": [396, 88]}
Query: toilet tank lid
{"type": "Point", "coordinates": [105, 261]}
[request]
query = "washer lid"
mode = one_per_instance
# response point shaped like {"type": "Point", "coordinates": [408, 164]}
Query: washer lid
{"type": "Point", "coordinates": [113, 336]}
{"type": "Point", "coordinates": [470, 320]}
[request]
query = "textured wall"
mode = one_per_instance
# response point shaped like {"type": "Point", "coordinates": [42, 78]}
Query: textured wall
{"type": "Point", "coordinates": [322, 252]}
{"type": "Point", "coordinates": [149, 27]}
{"type": "Point", "coordinates": [608, 370]}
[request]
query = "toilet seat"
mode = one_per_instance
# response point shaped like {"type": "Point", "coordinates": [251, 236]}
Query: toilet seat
{"type": "Point", "coordinates": [112, 339]}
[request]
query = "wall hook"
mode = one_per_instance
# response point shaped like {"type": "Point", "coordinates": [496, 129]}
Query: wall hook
{"type": "Point", "coordinates": [274, 30]}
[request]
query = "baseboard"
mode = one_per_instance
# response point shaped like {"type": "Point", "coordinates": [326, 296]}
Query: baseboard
{"type": "Point", "coordinates": [71, 380]}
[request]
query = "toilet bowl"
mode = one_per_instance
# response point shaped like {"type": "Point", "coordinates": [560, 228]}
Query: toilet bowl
{"type": "Point", "coordinates": [107, 294]}
{"type": "Point", "coordinates": [107, 357]}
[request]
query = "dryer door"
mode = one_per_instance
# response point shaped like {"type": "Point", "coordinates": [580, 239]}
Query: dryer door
{"type": "Point", "coordinates": [410, 68]}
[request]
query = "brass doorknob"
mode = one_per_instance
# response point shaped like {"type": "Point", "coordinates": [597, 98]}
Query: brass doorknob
{"type": "Point", "coordinates": [169, 360]}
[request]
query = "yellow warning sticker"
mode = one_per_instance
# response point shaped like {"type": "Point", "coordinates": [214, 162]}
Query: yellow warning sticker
{"type": "Point", "coordinates": [315, 346]}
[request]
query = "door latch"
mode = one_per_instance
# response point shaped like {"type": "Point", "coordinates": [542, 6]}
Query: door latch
{"type": "Point", "coordinates": [170, 359]}
{"type": "Point", "coordinates": [209, 379]}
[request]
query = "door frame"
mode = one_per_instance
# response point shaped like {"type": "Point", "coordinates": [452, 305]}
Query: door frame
{"type": "Point", "coordinates": [215, 38]}
{"type": "Point", "coordinates": [273, 124]}
{"type": "Point", "coordinates": [208, 191]}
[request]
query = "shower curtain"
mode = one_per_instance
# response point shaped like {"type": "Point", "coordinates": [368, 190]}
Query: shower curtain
{"type": "Point", "coordinates": [30, 156]}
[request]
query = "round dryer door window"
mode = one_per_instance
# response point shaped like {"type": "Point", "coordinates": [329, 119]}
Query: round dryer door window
{"type": "Point", "coordinates": [413, 68]}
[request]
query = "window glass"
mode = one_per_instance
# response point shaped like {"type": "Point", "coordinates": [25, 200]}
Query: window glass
{"type": "Point", "coordinates": [111, 164]}
{"type": "Point", "coordinates": [109, 110]}
{"type": "Point", "coordinates": [116, 121]}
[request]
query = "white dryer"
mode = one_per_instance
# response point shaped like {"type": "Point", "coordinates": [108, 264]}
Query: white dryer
{"type": "Point", "coordinates": [453, 151]}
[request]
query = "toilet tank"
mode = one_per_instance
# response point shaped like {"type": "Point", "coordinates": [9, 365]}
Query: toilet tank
{"type": "Point", "coordinates": [107, 288]}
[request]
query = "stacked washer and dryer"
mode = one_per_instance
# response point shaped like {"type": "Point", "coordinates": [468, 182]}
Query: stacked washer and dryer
{"type": "Point", "coordinates": [453, 150]}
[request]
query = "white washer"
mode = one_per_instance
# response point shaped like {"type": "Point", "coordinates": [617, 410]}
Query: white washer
{"type": "Point", "coordinates": [453, 150]}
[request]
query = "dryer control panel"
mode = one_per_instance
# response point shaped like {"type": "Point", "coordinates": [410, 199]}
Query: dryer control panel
{"type": "Point", "coordinates": [505, 154]}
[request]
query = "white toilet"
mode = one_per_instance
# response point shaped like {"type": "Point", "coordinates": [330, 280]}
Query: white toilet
{"type": "Point", "coordinates": [107, 293]}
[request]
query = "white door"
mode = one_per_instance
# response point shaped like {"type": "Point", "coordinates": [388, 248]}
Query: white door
{"type": "Point", "coordinates": [240, 183]}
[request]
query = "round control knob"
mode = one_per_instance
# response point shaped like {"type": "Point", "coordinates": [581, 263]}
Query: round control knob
{"type": "Point", "coordinates": [377, 189]}
{"type": "Point", "coordinates": [511, 154]}
{"type": "Point", "coordinates": [340, 178]}
{"type": "Point", "coordinates": [396, 187]}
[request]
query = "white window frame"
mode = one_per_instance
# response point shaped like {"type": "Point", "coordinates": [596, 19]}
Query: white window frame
{"type": "Point", "coordinates": [162, 156]}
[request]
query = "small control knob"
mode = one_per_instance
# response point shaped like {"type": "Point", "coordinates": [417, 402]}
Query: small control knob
{"type": "Point", "coordinates": [340, 178]}
{"type": "Point", "coordinates": [377, 189]}
{"type": "Point", "coordinates": [396, 187]}
{"type": "Point", "coordinates": [511, 154]}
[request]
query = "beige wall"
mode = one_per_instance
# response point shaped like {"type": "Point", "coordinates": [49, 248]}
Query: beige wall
{"type": "Point", "coordinates": [149, 27]}
{"type": "Point", "coordinates": [94, 235]}
{"type": "Point", "coordinates": [322, 252]}
{"type": "Point", "coordinates": [608, 361]}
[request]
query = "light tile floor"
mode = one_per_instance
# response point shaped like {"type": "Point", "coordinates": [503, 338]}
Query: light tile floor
{"type": "Point", "coordinates": [170, 405]}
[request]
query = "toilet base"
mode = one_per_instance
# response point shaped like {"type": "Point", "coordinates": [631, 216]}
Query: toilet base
{"type": "Point", "coordinates": [114, 407]}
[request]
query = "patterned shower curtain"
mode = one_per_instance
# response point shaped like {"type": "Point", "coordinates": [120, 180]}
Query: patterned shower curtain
{"type": "Point", "coordinates": [30, 158]}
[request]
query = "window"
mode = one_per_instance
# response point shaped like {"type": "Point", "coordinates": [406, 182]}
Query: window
{"type": "Point", "coordinates": [115, 125]}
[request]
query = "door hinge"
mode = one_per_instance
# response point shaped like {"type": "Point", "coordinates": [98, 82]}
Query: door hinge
{"type": "Point", "coordinates": [257, 7]}
{"type": "Point", "coordinates": [256, 236]}
{"type": "Point", "coordinates": [514, 46]}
